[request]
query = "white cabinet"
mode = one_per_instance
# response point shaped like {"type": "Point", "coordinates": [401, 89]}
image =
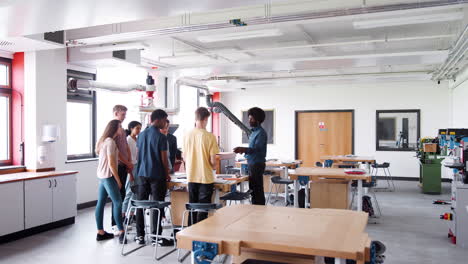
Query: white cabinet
{"type": "Point", "coordinates": [11, 207]}
{"type": "Point", "coordinates": [38, 202]}
{"type": "Point", "coordinates": [49, 199]}
{"type": "Point", "coordinates": [64, 197]}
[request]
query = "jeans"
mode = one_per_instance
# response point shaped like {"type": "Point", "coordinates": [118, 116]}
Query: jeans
{"type": "Point", "coordinates": [157, 188]}
{"type": "Point", "coordinates": [108, 187]}
{"type": "Point", "coordinates": [256, 171]}
{"type": "Point", "coordinates": [199, 193]}
{"type": "Point", "coordinates": [129, 192]}
{"type": "Point", "coordinates": [122, 171]}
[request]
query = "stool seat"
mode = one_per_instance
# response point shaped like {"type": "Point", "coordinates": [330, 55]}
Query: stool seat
{"type": "Point", "coordinates": [382, 165]}
{"type": "Point", "coordinates": [235, 196]}
{"type": "Point", "coordinates": [146, 204]}
{"type": "Point", "coordinates": [203, 206]}
{"type": "Point", "coordinates": [279, 180]}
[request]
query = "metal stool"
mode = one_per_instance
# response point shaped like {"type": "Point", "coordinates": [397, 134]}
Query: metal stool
{"type": "Point", "coordinates": [386, 169]}
{"type": "Point", "coordinates": [277, 181]}
{"type": "Point", "coordinates": [191, 208]}
{"type": "Point", "coordinates": [236, 196]}
{"type": "Point", "coordinates": [150, 206]}
{"type": "Point", "coordinates": [370, 187]}
{"type": "Point", "coordinates": [327, 164]}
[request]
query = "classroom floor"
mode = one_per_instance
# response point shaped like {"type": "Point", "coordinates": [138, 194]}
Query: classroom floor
{"type": "Point", "coordinates": [410, 229]}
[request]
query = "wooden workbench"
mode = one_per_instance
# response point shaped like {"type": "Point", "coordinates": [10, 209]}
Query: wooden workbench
{"type": "Point", "coordinates": [221, 183]}
{"type": "Point", "coordinates": [277, 164]}
{"type": "Point", "coordinates": [314, 232]}
{"type": "Point", "coordinates": [179, 192]}
{"type": "Point", "coordinates": [316, 173]}
{"type": "Point", "coordinates": [345, 158]}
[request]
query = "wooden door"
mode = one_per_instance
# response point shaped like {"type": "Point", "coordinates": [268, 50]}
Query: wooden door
{"type": "Point", "coordinates": [323, 133]}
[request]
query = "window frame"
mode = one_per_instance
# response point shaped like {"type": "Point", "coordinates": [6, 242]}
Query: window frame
{"type": "Point", "coordinates": [88, 97]}
{"type": "Point", "coordinates": [418, 135]}
{"type": "Point", "coordinates": [6, 90]}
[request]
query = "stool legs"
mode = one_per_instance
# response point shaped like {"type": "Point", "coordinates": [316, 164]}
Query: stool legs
{"type": "Point", "coordinates": [150, 235]}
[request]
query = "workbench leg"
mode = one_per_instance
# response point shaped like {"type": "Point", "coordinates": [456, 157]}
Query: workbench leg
{"type": "Point", "coordinates": [306, 196]}
{"type": "Point", "coordinates": [241, 186]}
{"type": "Point", "coordinates": [340, 261]}
{"type": "Point", "coordinates": [216, 198]}
{"type": "Point", "coordinates": [296, 193]}
{"type": "Point", "coordinates": [359, 195]}
{"type": "Point", "coordinates": [319, 260]}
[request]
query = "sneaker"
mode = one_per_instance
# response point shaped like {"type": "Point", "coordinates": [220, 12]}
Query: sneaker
{"type": "Point", "coordinates": [163, 242]}
{"type": "Point", "coordinates": [140, 240]}
{"type": "Point", "coordinates": [122, 238]}
{"type": "Point", "coordinates": [104, 236]}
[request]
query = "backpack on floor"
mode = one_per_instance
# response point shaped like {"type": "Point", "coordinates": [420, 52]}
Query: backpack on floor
{"type": "Point", "coordinates": [367, 205]}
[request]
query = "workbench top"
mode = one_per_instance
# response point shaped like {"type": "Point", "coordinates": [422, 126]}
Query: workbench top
{"type": "Point", "coordinates": [314, 232]}
{"type": "Point", "coordinates": [222, 182]}
{"type": "Point", "coordinates": [353, 158]}
{"type": "Point", "coordinates": [24, 176]}
{"type": "Point", "coordinates": [319, 172]}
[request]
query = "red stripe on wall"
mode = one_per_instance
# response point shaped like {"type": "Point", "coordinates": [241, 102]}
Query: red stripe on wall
{"type": "Point", "coordinates": [216, 128]}
{"type": "Point", "coordinates": [17, 70]}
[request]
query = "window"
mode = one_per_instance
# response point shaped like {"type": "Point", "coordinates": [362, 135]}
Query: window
{"type": "Point", "coordinates": [397, 130]}
{"type": "Point", "coordinates": [81, 120]}
{"type": "Point", "coordinates": [5, 112]}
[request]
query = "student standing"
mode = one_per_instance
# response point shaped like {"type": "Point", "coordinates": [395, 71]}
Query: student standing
{"type": "Point", "coordinates": [172, 146]}
{"type": "Point", "coordinates": [255, 154]}
{"type": "Point", "coordinates": [109, 183]}
{"type": "Point", "coordinates": [152, 171]}
{"type": "Point", "coordinates": [133, 131]}
{"type": "Point", "coordinates": [200, 149]}
{"type": "Point", "coordinates": [125, 164]}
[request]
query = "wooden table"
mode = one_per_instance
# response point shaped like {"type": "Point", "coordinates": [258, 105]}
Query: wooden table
{"type": "Point", "coordinates": [368, 160]}
{"type": "Point", "coordinates": [277, 164]}
{"type": "Point", "coordinates": [315, 173]}
{"type": "Point", "coordinates": [314, 232]}
{"type": "Point", "coordinates": [180, 180]}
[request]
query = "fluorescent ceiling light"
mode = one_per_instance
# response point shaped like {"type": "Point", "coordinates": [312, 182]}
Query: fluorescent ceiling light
{"type": "Point", "coordinates": [114, 47]}
{"type": "Point", "coordinates": [241, 35]}
{"type": "Point", "coordinates": [409, 20]}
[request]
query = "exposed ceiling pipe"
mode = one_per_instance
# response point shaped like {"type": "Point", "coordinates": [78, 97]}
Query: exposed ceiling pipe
{"type": "Point", "coordinates": [264, 20]}
{"type": "Point", "coordinates": [90, 85]}
{"type": "Point", "coordinates": [319, 45]}
{"type": "Point", "coordinates": [455, 55]}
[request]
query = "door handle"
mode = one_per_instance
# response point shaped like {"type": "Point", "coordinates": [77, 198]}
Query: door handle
{"type": "Point", "coordinates": [55, 180]}
{"type": "Point", "coordinates": [50, 184]}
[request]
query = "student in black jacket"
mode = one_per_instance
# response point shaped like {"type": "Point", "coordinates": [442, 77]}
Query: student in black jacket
{"type": "Point", "coordinates": [172, 147]}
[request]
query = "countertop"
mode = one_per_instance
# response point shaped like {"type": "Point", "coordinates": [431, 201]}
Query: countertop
{"type": "Point", "coordinates": [24, 176]}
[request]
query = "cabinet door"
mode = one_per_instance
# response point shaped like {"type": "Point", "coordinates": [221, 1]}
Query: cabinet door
{"type": "Point", "coordinates": [37, 202]}
{"type": "Point", "coordinates": [11, 207]}
{"type": "Point", "coordinates": [64, 197]}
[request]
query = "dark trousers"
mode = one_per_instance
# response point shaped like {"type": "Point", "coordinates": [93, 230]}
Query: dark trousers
{"type": "Point", "coordinates": [199, 193]}
{"type": "Point", "coordinates": [157, 188]}
{"type": "Point", "coordinates": [122, 171]}
{"type": "Point", "coordinates": [256, 171]}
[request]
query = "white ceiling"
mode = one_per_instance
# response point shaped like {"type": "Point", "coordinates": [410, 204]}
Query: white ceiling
{"type": "Point", "coordinates": [318, 37]}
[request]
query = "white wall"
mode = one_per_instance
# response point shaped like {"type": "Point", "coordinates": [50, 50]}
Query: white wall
{"type": "Point", "coordinates": [364, 98]}
{"type": "Point", "coordinates": [459, 94]}
{"type": "Point", "coordinates": [45, 103]}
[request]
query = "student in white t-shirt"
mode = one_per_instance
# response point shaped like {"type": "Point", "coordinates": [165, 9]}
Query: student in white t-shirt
{"type": "Point", "coordinates": [109, 181]}
{"type": "Point", "coordinates": [133, 130]}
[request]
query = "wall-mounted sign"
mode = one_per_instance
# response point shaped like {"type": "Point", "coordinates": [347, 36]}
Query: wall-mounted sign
{"type": "Point", "coordinates": [322, 126]}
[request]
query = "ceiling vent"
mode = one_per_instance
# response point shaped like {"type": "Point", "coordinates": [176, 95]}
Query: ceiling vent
{"type": "Point", "coordinates": [5, 43]}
